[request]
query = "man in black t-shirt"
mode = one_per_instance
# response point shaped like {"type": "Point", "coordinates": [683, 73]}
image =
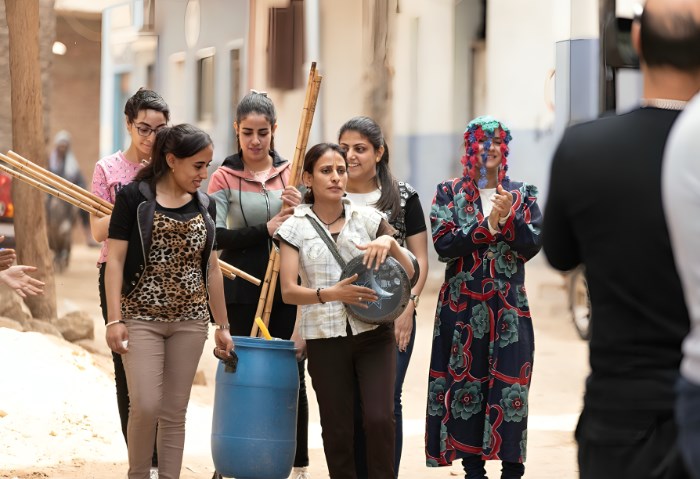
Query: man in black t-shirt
{"type": "Point", "coordinates": [604, 211]}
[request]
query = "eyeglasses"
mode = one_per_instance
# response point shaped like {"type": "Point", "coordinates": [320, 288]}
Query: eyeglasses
{"type": "Point", "coordinates": [144, 130]}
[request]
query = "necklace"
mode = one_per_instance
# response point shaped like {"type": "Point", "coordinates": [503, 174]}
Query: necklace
{"type": "Point", "coordinates": [663, 103]}
{"type": "Point", "coordinates": [328, 225]}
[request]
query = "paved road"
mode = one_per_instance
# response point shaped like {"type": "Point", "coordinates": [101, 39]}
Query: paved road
{"type": "Point", "coordinates": [555, 399]}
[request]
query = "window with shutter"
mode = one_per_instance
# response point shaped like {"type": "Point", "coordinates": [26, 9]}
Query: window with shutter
{"type": "Point", "coordinates": [286, 46]}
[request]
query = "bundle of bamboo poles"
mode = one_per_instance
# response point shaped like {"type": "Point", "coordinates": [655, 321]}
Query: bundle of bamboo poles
{"type": "Point", "coordinates": [53, 184]}
{"type": "Point", "coordinates": [267, 292]}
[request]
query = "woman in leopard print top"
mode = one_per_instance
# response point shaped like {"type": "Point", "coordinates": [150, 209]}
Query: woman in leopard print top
{"type": "Point", "coordinates": [162, 282]}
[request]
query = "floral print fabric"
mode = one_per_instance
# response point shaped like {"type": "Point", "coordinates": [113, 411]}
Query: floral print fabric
{"type": "Point", "coordinates": [483, 342]}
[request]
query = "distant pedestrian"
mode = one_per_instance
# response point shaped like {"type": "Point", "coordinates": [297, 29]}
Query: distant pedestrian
{"type": "Point", "coordinates": [62, 162]}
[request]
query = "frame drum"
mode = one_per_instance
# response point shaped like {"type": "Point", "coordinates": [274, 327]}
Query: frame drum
{"type": "Point", "coordinates": [391, 284]}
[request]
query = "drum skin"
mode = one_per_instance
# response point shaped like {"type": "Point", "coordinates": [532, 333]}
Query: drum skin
{"type": "Point", "coordinates": [391, 284]}
{"type": "Point", "coordinates": [255, 411]}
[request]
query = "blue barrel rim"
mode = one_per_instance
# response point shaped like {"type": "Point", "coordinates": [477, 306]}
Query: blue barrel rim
{"type": "Point", "coordinates": [250, 342]}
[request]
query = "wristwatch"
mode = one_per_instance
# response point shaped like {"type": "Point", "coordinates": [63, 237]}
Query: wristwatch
{"type": "Point", "coordinates": [416, 299]}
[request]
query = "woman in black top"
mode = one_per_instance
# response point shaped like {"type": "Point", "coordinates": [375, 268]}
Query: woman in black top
{"type": "Point", "coordinates": [371, 183]}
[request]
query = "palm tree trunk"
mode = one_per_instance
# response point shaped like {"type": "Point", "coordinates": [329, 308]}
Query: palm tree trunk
{"type": "Point", "coordinates": [28, 139]}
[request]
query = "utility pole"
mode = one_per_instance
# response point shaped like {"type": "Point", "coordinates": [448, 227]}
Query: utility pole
{"type": "Point", "coordinates": [380, 23]}
{"type": "Point", "coordinates": [607, 79]}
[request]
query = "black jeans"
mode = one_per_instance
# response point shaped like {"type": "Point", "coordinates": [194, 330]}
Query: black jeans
{"type": "Point", "coordinates": [335, 365]}
{"type": "Point", "coordinates": [628, 444]}
{"type": "Point", "coordinates": [119, 375]}
{"type": "Point", "coordinates": [403, 358]}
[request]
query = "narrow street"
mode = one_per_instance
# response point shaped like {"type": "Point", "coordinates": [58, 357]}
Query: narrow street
{"type": "Point", "coordinates": [555, 401]}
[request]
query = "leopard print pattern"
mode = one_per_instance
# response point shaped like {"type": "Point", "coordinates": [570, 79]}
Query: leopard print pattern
{"type": "Point", "coordinates": [171, 287]}
{"type": "Point", "coordinates": [399, 223]}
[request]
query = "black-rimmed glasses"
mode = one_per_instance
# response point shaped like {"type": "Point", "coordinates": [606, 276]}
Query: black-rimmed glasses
{"type": "Point", "coordinates": [144, 130]}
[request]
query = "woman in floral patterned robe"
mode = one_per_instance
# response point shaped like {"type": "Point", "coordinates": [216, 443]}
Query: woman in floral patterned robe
{"type": "Point", "coordinates": [485, 227]}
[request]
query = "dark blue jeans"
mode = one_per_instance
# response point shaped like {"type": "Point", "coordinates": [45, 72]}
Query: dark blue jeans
{"type": "Point", "coordinates": [402, 361]}
{"type": "Point", "coordinates": [688, 422]}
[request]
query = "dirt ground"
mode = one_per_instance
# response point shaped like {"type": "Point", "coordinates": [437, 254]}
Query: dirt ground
{"type": "Point", "coordinates": [59, 420]}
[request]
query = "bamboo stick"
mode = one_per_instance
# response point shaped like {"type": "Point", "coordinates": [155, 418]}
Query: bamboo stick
{"type": "Point", "coordinates": [47, 189]}
{"type": "Point", "coordinates": [300, 149]}
{"type": "Point", "coordinates": [228, 274]}
{"type": "Point", "coordinates": [267, 310]}
{"type": "Point", "coordinates": [235, 272]}
{"type": "Point", "coordinates": [49, 178]}
{"type": "Point", "coordinates": [26, 164]}
{"type": "Point", "coordinates": [263, 294]}
{"type": "Point", "coordinates": [83, 199]}
{"type": "Point", "coordinates": [267, 293]}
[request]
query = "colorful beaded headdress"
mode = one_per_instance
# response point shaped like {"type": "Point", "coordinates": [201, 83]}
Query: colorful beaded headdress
{"type": "Point", "coordinates": [483, 129]}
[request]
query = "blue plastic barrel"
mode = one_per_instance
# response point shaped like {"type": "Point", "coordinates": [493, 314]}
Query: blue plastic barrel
{"type": "Point", "coordinates": [253, 433]}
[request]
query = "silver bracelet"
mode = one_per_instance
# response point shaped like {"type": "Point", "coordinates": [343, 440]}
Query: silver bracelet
{"type": "Point", "coordinates": [112, 323]}
{"type": "Point", "coordinates": [223, 326]}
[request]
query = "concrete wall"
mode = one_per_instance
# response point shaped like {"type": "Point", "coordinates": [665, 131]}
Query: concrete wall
{"type": "Point", "coordinates": [215, 36]}
{"type": "Point", "coordinates": [342, 63]}
{"type": "Point", "coordinates": [75, 86]}
{"type": "Point", "coordinates": [437, 88]}
{"type": "Point", "coordinates": [520, 58]}
{"type": "Point", "coordinates": [425, 145]}
{"type": "Point", "coordinates": [288, 103]}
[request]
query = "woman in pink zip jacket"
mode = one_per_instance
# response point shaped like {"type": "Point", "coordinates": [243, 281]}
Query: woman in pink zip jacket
{"type": "Point", "coordinates": [250, 189]}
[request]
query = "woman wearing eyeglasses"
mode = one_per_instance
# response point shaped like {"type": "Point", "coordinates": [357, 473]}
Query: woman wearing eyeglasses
{"type": "Point", "coordinates": [145, 113]}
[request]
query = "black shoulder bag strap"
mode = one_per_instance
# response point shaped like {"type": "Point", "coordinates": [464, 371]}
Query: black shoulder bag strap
{"type": "Point", "coordinates": [329, 242]}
